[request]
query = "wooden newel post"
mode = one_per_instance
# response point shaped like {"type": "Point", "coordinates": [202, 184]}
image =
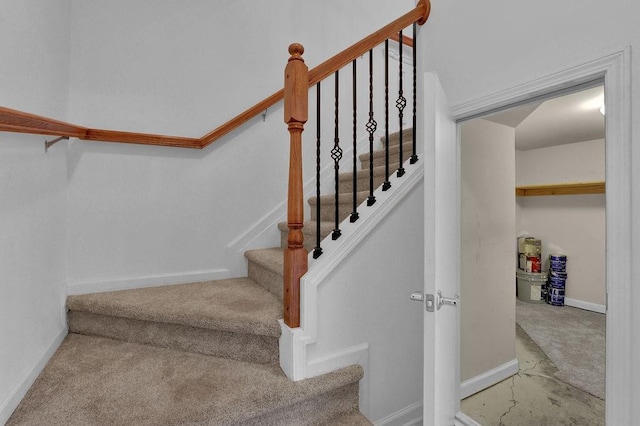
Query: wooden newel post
{"type": "Point", "coordinates": [296, 89]}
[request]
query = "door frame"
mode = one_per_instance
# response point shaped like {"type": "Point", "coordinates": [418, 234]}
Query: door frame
{"type": "Point", "coordinates": [615, 71]}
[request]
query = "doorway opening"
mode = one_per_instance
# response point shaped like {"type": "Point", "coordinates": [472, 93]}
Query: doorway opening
{"type": "Point", "coordinates": [534, 361]}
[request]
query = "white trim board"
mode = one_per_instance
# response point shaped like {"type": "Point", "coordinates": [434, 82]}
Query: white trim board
{"type": "Point", "coordinates": [409, 415]}
{"type": "Point", "coordinates": [488, 378]}
{"type": "Point", "coordinates": [464, 420]}
{"type": "Point", "coordinates": [11, 402]}
{"type": "Point", "coordinates": [587, 306]}
{"type": "Point", "coordinates": [146, 281]}
{"type": "Point", "coordinates": [615, 69]}
{"type": "Point", "coordinates": [294, 341]}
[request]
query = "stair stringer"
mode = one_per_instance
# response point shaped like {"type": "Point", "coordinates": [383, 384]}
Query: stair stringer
{"type": "Point", "coordinates": [295, 342]}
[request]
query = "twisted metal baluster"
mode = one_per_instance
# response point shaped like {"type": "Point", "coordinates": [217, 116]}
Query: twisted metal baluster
{"type": "Point", "coordinates": [336, 155]}
{"type": "Point", "coordinates": [354, 213]}
{"type": "Point", "coordinates": [401, 103]}
{"type": "Point", "coordinates": [317, 251]}
{"type": "Point", "coordinates": [414, 157]}
{"type": "Point", "coordinates": [371, 128]}
{"type": "Point", "coordinates": [386, 185]}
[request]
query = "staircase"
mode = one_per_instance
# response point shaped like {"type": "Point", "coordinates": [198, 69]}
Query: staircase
{"type": "Point", "coordinates": [199, 353]}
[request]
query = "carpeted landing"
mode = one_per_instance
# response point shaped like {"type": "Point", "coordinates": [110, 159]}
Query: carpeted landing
{"type": "Point", "coordinates": [197, 354]}
{"type": "Point", "coordinates": [95, 380]}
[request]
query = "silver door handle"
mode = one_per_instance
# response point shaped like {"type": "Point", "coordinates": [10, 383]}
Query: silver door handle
{"type": "Point", "coordinates": [451, 301]}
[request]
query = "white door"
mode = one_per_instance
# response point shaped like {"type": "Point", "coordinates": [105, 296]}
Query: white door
{"type": "Point", "coordinates": [442, 241]}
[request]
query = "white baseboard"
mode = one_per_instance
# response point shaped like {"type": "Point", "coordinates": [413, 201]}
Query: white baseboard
{"type": "Point", "coordinates": [464, 420]}
{"type": "Point", "coordinates": [488, 378]}
{"type": "Point", "coordinates": [148, 281]}
{"type": "Point", "coordinates": [11, 402]}
{"type": "Point", "coordinates": [588, 306]}
{"type": "Point", "coordinates": [408, 416]}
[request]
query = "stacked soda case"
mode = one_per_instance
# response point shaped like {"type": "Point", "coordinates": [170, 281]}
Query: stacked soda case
{"type": "Point", "coordinates": [557, 280]}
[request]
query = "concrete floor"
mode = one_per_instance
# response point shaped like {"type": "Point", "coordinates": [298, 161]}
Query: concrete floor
{"type": "Point", "coordinates": [533, 396]}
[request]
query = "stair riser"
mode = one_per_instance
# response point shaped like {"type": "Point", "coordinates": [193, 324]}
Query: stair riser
{"type": "Point", "coordinates": [270, 280]}
{"type": "Point", "coordinates": [394, 157]}
{"type": "Point", "coordinates": [242, 347]}
{"type": "Point", "coordinates": [394, 139]}
{"type": "Point", "coordinates": [317, 410]}
{"type": "Point", "coordinates": [327, 211]}
{"type": "Point", "coordinates": [346, 186]}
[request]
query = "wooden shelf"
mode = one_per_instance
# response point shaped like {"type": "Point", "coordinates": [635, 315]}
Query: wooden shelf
{"type": "Point", "coordinates": [561, 189]}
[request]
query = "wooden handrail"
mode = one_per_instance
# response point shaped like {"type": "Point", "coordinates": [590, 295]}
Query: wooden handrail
{"type": "Point", "coordinates": [418, 15]}
{"type": "Point", "coordinates": [21, 122]}
{"type": "Point", "coordinates": [12, 120]}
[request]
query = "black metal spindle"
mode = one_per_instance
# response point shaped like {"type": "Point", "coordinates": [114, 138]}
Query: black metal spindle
{"type": "Point", "coordinates": [336, 155]}
{"type": "Point", "coordinates": [401, 103]}
{"type": "Point", "coordinates": [354, 214]}
{"type": "Point", "coordinates": [414, 157]}
{"type": "Point", "coordinates": [386, 185]}
{"type": "Point", "coordinates": [317, 251]}
{"type": "Point", "coordinates": [371, 128]}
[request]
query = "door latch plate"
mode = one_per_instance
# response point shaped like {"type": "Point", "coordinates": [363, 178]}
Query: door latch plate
{"type": "Point", "coordinates": [429, 302]}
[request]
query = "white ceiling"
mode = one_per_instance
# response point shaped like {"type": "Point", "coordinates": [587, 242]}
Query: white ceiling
{"type": "Point", "coordinates": [567, 119]}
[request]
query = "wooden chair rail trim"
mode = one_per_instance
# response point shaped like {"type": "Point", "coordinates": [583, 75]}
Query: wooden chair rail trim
{"type": "Point", "coordinates": [561, 189]}
{"type": "Point", "coordinates": [21, 122]}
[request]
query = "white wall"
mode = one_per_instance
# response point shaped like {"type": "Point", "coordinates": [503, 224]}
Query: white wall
{"type": "Point", "coordinates": [365, 300]}
{"type": "Point", "coordinates": [569, 163]}
{"type": "Point", "coordinates": [34, 59]}
{"type": "Point", "coordinates": [570, 224]}
{"type": "Point", "coordinates": [144, 215]}
{"type": "Point", "coordinates": [481, 48]}
{"type": "Point", "coordinates": [487, 227]}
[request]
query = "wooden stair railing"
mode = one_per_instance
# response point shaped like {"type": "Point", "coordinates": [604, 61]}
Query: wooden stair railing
{"type": "Point", "coordinates": [298, 80]}
{"type": "Point", "coordinates": [12, 120]}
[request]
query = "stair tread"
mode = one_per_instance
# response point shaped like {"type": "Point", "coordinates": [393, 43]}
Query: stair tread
{"type": "Point", "coordinates": [94, 380]}
{"type": "Point", "coordinates": [407, 150]}
{"type": "Point", "coordinates": [235, 305]}
{"type": "Point", "coordinates": [271, 258]}
{"type": "Point", "coordinates": [361, 196]}
{"type": "Point", "coordinates": [377, 171]}
{"type": "Point", "coordinates": [351, 419]}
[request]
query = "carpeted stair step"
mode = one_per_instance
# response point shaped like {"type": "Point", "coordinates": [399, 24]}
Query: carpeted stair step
{"type": "Point", "coordinates": [234, 318]}
{"type": "Point", "coordinates": [94, 380]}
{"type": "Point", "coordinates": [327, 205]}
{"type": "Point", "coordinates": [345, 182]}
{"type": "Point", "coordinates": [394, 156]}
{"type": "Point", "coordinates": [309, 231]}
{"type": "Point", "coordinates": [266, 268]}
{"type": "Point", "coordinates": [394, 138]}
{"type": "Point", "coordinates": [351, 419]}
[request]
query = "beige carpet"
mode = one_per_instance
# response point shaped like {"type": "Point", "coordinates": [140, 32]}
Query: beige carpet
{"type": "Point", "coordinates": [98, 381]}
{"type": "Point", "coordinates": [573, 339]}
